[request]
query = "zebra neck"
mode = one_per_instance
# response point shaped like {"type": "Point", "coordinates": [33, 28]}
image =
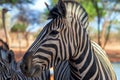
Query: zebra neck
{"type": "Point", "coordinates": [83, 67]}
{"type": "Point", "coordinates": [85, 59]}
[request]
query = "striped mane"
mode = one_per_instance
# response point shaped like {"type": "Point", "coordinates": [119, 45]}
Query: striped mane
{"type": "Point", "coordinates": [69, 9]}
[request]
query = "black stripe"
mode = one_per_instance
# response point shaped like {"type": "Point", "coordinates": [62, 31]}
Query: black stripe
{"type": "Point", "coordinates": [83, 39]}
{"type": "Point", "coordinates": [99, 71]}
{"type": "Point", "coordinates": [69, 50]}
{"type": "Point", "coordinates": [42, 58]}
{"type": "Point", "coordinates": [105, 73]}
{"type": "Point", "coordinates": [85, 15]}
{"type": "Point", "coordinates": [65, 35]}
{"type": "Point", "coordinates": [97, 77]}
{"type": "Point", "coordinates": [82, 56]}
{"type": "Point", "coordinates": [54, 46]}
{"type": "Point", "coordinates": [91, 71]}
{"type": "Point", "coordinates": [76, 26]}
{"type": "Point", "coordinates": [87, 61]}
{"type": "Point", "coordinates": [62, 46]}
{"type": "Point", "coordinates": [75, 76]}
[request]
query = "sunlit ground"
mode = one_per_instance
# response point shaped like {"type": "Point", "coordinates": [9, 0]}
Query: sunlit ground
{"type": "Point", "coordinates": [116, 67]}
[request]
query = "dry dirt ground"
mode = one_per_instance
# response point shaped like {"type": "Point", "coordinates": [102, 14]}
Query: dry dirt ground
{"type": "Point", "coordinates": [113, 51]}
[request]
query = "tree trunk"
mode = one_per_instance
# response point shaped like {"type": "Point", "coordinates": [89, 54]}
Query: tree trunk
{"type": "Point", "coordinates": [99, 13]}
{"type": "Point", "coordinates": [27, 39]}
{"type": "Point", "coordinates": [105, 25]}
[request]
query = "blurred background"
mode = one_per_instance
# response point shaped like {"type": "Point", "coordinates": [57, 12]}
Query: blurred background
{"type": "Point", "coordinates": [22, 20]}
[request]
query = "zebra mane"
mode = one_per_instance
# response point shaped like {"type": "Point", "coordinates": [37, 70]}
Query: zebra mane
{"type": "Point", "coordinates": [58, 10]}
{"type": "Point", "coordinates": [69, 8]}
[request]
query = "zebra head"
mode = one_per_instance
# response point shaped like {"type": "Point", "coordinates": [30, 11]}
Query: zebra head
{"type": "Point", "coordinates": [3, 59]}
{"type": "Point", "coordinates": [4, 44]}
{"type": "Point", "coordinates": [7, 56]}
{"type": "Point", "coordinates": [59, 39]}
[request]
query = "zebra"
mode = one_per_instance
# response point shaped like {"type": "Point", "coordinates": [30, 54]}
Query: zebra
{"type": "Point", "coordinates": [59, 71]}
{"type": "Point", "coordinates": [8, 54]}
{"type": "Point", "coordinates": [8, 67]}
{"type": "Point", "coordinates": [65, 38]}
{"type": "Point", "coordinates": [4, 45]}
{"type": "Point", "coordinates": [11, 66]}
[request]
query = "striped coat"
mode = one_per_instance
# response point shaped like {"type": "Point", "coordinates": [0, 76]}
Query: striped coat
{"type": "Point", "coordinates": [65, 38]}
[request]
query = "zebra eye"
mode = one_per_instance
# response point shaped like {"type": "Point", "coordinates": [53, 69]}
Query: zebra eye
{"type": "Point", "coordinates": [54, 32]}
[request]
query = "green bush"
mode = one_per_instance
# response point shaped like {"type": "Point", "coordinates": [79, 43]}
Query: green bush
{"type": "Point", "coordinates": [18, 27]}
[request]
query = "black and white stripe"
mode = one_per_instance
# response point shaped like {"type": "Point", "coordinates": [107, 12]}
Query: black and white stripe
{"type": "Point", "coordinates": [8, 67]}
{"type": "Point", "coordinates": [65, 39]}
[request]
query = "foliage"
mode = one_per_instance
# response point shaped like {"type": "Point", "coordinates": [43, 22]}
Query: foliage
{"type": "Point", "coordinates": [44, 14]}
{"type": "Point", "coordinates": [89, 7]}
{"type": "Point", "coordinates": [53, 2]}
{"type": "Point", "coordinates": [14, 1]}
{"type": "Point", "coordinates": [18, 27]}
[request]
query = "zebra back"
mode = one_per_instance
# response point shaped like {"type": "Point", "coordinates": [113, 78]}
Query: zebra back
{"type": "Point", "coordinates": [103, 59]}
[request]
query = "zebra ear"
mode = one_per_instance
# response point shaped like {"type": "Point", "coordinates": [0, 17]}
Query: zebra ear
{"type": "Point", "coordinates": [58, 10]}
{"type": "Point", "coordinates": [0, 55]}
{"type": "Point", "coordinates": [60, 1]}
{"type": "Point", "coordinates": [10, 56]}
{"type": "Point", "coordinates": [47, 6]}
{"type": "Point", "coordinates": [1, 52]}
